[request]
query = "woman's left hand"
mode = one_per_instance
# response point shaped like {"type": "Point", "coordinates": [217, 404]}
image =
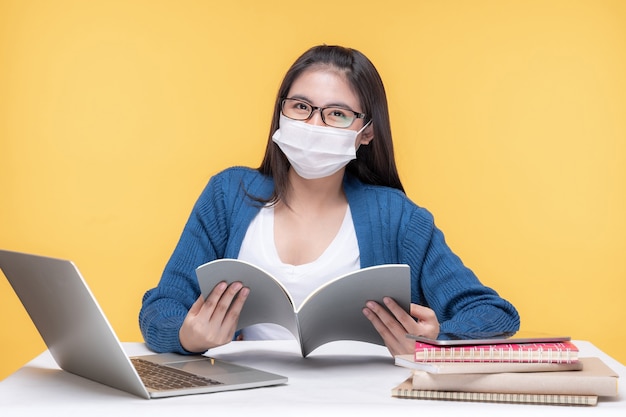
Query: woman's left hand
{"type": "Point", "coordinates": [394, 327]}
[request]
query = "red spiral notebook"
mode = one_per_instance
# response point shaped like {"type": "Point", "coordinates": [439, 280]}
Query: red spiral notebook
{"type": "Point", "coordinates": [517, 347]}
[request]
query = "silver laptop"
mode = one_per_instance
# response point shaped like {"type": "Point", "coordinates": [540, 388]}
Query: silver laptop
{"type": "Point", "coordinates": [82, 341]}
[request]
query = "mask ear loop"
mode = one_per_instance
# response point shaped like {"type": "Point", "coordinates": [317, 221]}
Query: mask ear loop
{"type": "Point", "coordinates": [360, 131]}
{"type": "Point", "coordinates": [364, 127]}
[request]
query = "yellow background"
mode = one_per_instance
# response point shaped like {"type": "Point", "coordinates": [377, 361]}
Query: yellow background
{"type": "Point", "coordinates": [509, 120]}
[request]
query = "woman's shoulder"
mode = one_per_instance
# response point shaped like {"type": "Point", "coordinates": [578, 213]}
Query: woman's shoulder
{"type": "Point", "coordinates": [235, 180]}
{"type": "Point", "coordinates": [237, 172]}
{"type": "Point", "coordinates": [239, 175]}
{"type": "Point", "coordinates": [379, 197]}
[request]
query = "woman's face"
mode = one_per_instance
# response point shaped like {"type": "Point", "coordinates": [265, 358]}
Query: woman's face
{"type": "Point", "coordinates": [324, 87]}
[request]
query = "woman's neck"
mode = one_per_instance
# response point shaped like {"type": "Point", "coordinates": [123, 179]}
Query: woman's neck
{"type": "Point", "coordinates": [317, 194]}
{"type": "Point", "coordinates": [312, 217]}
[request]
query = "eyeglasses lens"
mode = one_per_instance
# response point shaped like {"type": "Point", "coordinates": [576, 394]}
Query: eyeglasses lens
{"type": "Point", "coordinates": [332, 116]}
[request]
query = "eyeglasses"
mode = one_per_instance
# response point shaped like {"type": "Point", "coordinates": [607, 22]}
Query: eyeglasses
{"type": "Point", "coordinates": [331, 116]}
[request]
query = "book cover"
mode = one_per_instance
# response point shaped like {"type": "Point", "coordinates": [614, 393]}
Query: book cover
{"type": "Point", "coordinates": [490, 338]}
{"type": "Point", "coordinates": [407, 361]}
{"type": "Point", "coordinates": [406, 390]}
{"type": "Point", "coordinates": [595, 378]}
{"type": "Point", "coordinates": [557, 352]}
{"type": "Point", "coordinates": [316, 321]}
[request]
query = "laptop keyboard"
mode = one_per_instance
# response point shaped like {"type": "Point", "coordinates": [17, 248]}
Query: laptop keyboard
{"type": "Point", "coordinates": [162, 378]}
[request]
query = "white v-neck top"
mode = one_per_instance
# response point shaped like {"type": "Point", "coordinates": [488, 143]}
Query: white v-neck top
{"type": "Point", "coordinates": [258, 247]}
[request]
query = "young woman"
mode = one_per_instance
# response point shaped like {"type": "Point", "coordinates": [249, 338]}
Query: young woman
{"type": "Point", "coordinates": [326, 200]}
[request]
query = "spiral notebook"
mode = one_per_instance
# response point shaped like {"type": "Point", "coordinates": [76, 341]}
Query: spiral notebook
{"type": "Point", "coordinates": [405, 390]}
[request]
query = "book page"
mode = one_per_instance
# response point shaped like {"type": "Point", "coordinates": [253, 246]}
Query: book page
{"type": "Point", "coordinates": [334, 311]}
{"type": "Point", "coordinates": [268, 302]}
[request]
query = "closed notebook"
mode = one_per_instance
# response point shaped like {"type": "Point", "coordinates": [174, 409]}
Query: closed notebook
{"type": "Point", "coordinates": [595, 378]}
{"type": "Point", "coordinates": [407, 361]}
{"type": "Point", "coordinates": [405, 390]}
{"type": "Point", "coordinates": [555, 352]}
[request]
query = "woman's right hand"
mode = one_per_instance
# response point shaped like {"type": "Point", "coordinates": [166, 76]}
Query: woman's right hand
{"type": "Point", "coordinates": [213, 322]}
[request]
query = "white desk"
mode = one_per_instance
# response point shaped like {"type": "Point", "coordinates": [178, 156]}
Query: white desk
{"type": "Point", "coordinates": [341, 378]}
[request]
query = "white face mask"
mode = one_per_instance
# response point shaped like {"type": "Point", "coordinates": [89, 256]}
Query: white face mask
{"type": "Point", "coordinates": [315, 151]}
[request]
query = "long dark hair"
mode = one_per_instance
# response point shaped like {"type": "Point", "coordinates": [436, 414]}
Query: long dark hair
{"type": "Point", "coordinates": [375, 163]}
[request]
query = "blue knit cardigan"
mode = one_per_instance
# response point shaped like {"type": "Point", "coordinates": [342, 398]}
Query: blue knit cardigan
{"type": "Point", "coordinates": [389, 227]}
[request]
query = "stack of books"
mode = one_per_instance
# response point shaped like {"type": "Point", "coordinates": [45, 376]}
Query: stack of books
{"type": "Point", "coordinates": [530, 373]}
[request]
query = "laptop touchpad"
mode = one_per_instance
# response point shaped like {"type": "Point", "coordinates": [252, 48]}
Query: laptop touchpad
{"type": "Point", "coordinates": [207, 368]}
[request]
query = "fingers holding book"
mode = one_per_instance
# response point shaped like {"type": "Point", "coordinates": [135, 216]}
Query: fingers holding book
{"type": "Point", "coordinates": [393, 323]}
{"type": "Point", "coordinates": [212, 322]}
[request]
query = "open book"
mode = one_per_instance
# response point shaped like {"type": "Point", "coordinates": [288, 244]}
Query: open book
{"type": "Point", "coordinates": [332, 312]}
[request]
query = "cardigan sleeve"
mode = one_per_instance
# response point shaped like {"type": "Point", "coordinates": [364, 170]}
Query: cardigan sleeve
{"type": "Point", "coordinates": [203, 239]}
{"type": "Point", "coordinates": [441, 281]}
